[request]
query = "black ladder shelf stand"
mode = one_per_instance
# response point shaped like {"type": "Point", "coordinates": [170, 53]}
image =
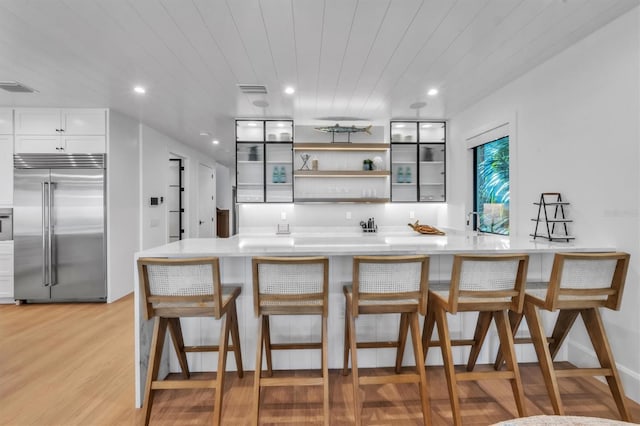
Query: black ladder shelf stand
{"type": "Point", "coordinates": [552, 200]}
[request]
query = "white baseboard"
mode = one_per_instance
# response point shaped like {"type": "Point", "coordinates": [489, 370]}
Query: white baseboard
{"type": "Point", "coordinates": [7, 301]}
{"type": "Point", "coordinates": [583, 356]}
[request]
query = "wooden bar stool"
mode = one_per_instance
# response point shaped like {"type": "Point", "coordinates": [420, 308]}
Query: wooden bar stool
{"type": "Point", "coordinates": [580, 284]}
{"type": "Point", "coordinates": [175, 288]}
{"type": "Point", "coordinates": [387, 285]}
{"type": "Point", "coordinates": [290, 286]}
{"type": "Point", "coordinates": [489, 285]}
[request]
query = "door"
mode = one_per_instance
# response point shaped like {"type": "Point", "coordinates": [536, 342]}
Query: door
{"type": "Point", "coordinates": [77, 241]}
{"type": "Point", "coordinates": [30, 222]}
{"type": "Point", "coordinates": [206, 201]}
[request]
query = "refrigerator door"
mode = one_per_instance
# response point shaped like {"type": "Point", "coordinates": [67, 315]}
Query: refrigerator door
{"type": "Point", "coordinates": [30, 236]}
{"type": "Point", "coordinates": [78, 235]}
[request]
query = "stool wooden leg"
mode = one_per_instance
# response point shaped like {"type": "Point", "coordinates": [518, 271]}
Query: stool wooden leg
{"type": "Point", "coordinates": [220, 373]}
{"type": "Point", "coordinates": [354, 368]}
{"type": "Point", "coordinates": [155, 355]}
{"type": "Point", "coordinates": [447, 356]}
{"type": "Point", "coordinates": [345, 365]}
{"type": "Point", "coordinates": [419, 358]}
{"type": "Point", "coordinates": [506, 341]}
{"type": "Point", "coordinates": [427, 329]}
{"type": "Point", "coordinates": [236, 339]}
{"type": "Point", "coordinates": [257, 374]}
{"type": "Point", "coordinates": [402, 340]}
{"type": "Point", "coordinates": [325, 372]}
{"type": "Point", "coordinates": [175, 330]}
{"type": "Point", "coordinates": [566, 318]}
{"type": "Point", "coordinates": [482, 327]}
{"type": "Point", "coordinates": [267, 344]}
{"type": "Point", "coordinates": [539, 339]}
{"type": "Point", "coordinates": [514, 320]}
{"type": "Point", "coordinates": [595, 328]}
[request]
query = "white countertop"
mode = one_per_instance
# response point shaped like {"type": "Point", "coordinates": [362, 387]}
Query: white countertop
{"type": "Point", "coordinates": [340, 243]}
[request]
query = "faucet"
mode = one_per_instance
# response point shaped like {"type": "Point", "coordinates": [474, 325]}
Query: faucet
{"type": "Point", "coordinates": [470, 215]}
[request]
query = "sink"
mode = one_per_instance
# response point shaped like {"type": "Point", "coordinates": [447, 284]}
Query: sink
{"type": "Point", "coordinates": [265, 242]}
{"type": "Point", "coordinates": [414, 240]}
{"type": "Point", "coordinates": [340, 241]}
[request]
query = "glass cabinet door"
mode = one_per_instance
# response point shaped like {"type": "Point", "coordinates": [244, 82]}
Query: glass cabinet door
{"type": "Point", "coordinates": [432, 172]}
{"type": "Point", "coordinates": [249, 130]}
{"type": "Point", "coordinates": [250, 172]}
{"type": "Point", "coordinates": [279, 131]}
{"type": "Point", "coordinates": [404, 174]}
{"type": "Point", "coordinates": [279, 171]}
{"type": "Point", "coordinates": [404, 132]}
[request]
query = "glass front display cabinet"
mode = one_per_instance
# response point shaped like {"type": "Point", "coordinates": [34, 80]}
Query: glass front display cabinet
{"type": "Point", "coordinates": [264, 158]}
{"type": "Point", "coordinates": [418, 167]}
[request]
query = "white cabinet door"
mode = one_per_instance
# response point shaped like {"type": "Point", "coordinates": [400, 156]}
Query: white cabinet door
{"type": "Point", "coordinates": [83, 144]}
{"type": "Point", "coordinates": [38, 144]}
{"type": "Point", "coordinates": [84, 121]}
{"type": "Point", "coordinates": [6, 270]}
{"type": "Point", "coordinates": [6, 170]}
{"type": "Point", "coordinates": [37, 121]}
{"type": "Point", "coordinates": [6, 121]}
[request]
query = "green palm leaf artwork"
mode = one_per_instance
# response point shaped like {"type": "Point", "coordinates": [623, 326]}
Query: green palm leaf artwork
{"type": "Point", "coordinates": [492, 186]}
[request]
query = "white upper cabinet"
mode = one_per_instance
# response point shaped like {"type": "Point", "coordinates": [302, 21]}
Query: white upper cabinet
{"type": "Point", "coordinates": [6, 170]}
{"type": "Point", "coordinates": [85, 122]}
{"type": "Point", "coordinates": [51, 130]}
{"type": "Point", "coordinates": [47, 121]}
{"type": "Point", "coordinates": [6, 121]}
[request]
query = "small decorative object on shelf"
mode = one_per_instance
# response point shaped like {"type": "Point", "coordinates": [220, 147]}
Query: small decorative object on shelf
{"type": "Point", "coordinates": [367, 164]}
{"type": "Point", "coordinates": [425, 229]}
{"type": "Point", "coordinates": [378, 163]}
{"type": "Point", "coordinates": [369, 225]}
{"type": "Point", "coordinates": [305, 161]}
{"type": "Point", "coordinates": [550, 220]}
{"type": "Point", "coordinates": [400, 175]}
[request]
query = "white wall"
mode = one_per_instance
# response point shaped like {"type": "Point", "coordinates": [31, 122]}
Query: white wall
{"type": "Point", "coordinates": [155, 152]}
{"type": "Point", "coordinates": [122, 203]}
{"type": "Point", "coordinates": [576, 119]}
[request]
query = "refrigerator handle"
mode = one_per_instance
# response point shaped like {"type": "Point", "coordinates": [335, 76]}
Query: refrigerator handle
{"type": "Point", "coordinates": [45, 282]}
{"type": "Point", "coordinates": [52, 280]}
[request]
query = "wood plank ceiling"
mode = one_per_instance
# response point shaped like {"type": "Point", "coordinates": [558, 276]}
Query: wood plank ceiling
{"type": "Point", "coordinates": [364, 59]}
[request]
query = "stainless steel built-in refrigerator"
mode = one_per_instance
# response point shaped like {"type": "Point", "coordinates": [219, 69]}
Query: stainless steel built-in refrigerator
{"type": "Point", "coordinates": [59, 227]}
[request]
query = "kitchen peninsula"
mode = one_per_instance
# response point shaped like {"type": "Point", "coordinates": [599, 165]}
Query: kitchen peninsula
{"type": "Point", "coordinates": [235, 260]}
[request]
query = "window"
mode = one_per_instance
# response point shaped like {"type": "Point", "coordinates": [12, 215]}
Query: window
{"type": "Point", "coordinates": [491, 186]}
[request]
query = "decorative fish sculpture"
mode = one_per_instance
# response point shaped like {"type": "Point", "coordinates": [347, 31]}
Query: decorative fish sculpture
{"type": "Point", "coordinates": [344, 129]}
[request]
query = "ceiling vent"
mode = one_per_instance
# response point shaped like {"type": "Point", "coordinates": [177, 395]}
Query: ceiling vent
{"type": "Point", "coordinates": [16, 87]}
{"type": "Point", "coordinates": [253, 89]}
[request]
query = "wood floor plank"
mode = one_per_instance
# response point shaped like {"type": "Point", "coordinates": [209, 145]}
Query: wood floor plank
{"type": "Point", "coordinates": [73, 364]}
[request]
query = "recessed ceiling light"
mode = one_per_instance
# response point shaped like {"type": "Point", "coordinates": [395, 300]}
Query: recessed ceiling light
{"type": "Point", "coordinates": [215, 141]}
{"type": "Point", "coordinates": [427, 125]}
{"type": "Point", "coordinates": [289, 90]}
{"type": "Point", "coordinates": [140, 90]}
{"type": "Point", "coordinates": [432, 92]}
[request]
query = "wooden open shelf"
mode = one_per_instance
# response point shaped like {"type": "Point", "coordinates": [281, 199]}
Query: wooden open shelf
{"type": "Point", "coordinates": [341, 146]}
{"type": "Point", "coordinates": [340, 200]}
{"type": "Point", "coordinates": [341, 173]}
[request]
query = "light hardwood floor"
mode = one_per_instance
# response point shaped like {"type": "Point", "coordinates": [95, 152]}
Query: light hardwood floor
{"type": "Point", "coordinates": [73, 365]}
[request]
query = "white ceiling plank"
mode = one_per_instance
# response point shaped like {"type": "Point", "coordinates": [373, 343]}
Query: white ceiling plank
{"type": "Point", "coordinates": [339, 15]}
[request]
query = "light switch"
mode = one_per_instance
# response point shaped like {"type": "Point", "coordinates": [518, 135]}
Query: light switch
{"type": "Point", "coordinates": [283, 215]}
{"type": "Point", "coordinates": [347, 215]}
{"type": "Point", "coordinates": [412, 214]}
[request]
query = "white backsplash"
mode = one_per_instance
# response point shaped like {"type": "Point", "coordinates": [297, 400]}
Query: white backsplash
{"type": "Point", "coordinates": [261, 218]}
